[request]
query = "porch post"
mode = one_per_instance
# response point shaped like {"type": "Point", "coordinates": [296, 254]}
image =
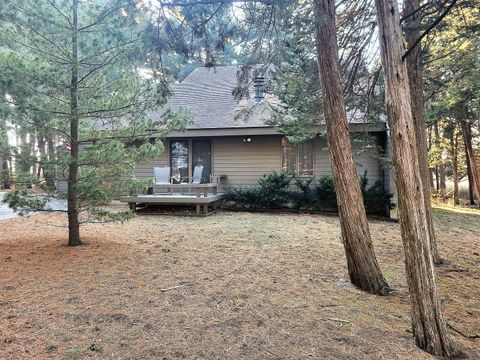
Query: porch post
{"type": "Point", "coordinates": [132, 206]}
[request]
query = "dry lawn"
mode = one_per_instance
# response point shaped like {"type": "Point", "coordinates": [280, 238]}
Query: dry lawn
{"type": "Point", "coordinates": [247, 286]}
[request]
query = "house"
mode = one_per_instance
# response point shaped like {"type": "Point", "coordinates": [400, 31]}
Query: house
{"type": "Point", "coordinates": [241, 149]}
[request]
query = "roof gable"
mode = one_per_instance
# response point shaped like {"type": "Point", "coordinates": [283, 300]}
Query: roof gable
{"type": "Point", "coordinates": [207, 94]}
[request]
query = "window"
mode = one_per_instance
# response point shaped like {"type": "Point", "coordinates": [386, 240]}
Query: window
{"type": "Point", "coordinates": [179, 153]}
{"type": "Point", "coordinates": [194, 152]}
{"type": "Point", "coordinates": [297, 158]}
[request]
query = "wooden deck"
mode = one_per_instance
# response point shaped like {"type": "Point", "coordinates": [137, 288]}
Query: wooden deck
{"type": "Point", "coordinates": [201, 202]}
{"type": "Point", "coordinates": [198, 189]}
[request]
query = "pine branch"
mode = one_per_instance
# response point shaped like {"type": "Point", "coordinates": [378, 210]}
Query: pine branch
{"type": "Point", "coordinates": [412, 13]}
{"type": "Point", "coordinates": [100, 111]}
{"type": "Point", "coordinates": [430, 28]}
{"type": "Point", "coordinates": [52, 4]}
{"type": "Point", "coordinates": [37, 109]}
{"type": "Point", "coordinates": [41, 18]}
{"type": "Point", "coordinates": [183, 3]}
{"type": "Point", "coordinates": [446, 54]}
{"type": "Point", "coordinates": [45, 94]}
{"type": "Point", "coordinates": [154, 132]}
{"type": "Point", "coordinates": [83, 61]}
{"type": "Point", "coordinates": [102, 17]}
{"type": "Point", "coordinates": [108, 62]}
{"type": "Point", "coordinates": [60, 60]}
{"type": "Point", "coordinates": [42, 36]}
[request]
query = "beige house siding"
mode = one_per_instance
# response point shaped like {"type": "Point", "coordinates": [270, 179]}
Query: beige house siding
{"type": "Point", "coordinates": [367, 161]}
{"type": "Point", "coordinates": [321, 159]}
{"type": "Point", "coordinates": [364, 161]}
{"type": "Point", "coordinates": [244, 163]}
{"type": "Point", "coordinates": [144, 171]}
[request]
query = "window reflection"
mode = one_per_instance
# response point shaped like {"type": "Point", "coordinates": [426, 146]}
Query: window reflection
{"type": "Point", "coordinates": [179, 159]}
{"type": "Point", "coordinates": [297, 158]}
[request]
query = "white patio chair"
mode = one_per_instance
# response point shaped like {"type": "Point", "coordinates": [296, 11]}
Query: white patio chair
{"type": "Point", "coordinates": [195, 179]}
{"type": "Point", "coordinates": [162, 177]}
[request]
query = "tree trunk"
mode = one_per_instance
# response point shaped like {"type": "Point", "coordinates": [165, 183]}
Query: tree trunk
{"type": "Point", "coordinates": [10, 167]}
{"type": "Point", "coordinates": [25, 153]}
{"type": "Point", "coordinates": [441, 175]}
{"type": "Point", "coordinates": [362, 264]}
{"type": "Point", "coordinates": [15, 165]}
{"type": "Point", "coordinates": [4, 172]}
{"type": "Point", "coordinates": [33, 156]}
{"type": "Point", "coordinates": [43, 156]}
{"type": "Point", "coordinates": [49, 169]}
{"type": "Point", "coordinates": [443, 178]}
{"type": "Point", "coordinates": [467, 139]}
{"type": "Point", "coordinates": [471, 196]}
{"type": "Point", "coordinates": [454, 147]}
{"type": "Point", "coordinates": [72, 199]}
{"type": "Point", "coordinates": [415, 77]}
{"type": "Point", "coordinates": [431, 169]}
{"type": "Point", "coordinates": [428, 325]}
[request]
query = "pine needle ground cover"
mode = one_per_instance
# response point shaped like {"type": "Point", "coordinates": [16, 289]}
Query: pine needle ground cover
{"type": "Point", "coordinates": [228, 286]}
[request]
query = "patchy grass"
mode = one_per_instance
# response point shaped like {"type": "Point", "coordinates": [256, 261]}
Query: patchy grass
{"type": "Point", "coordinates": [229, 286]}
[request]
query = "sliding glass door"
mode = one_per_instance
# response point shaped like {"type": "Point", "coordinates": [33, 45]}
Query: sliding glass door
{"type": "Point", "coordinates": [186, 154]}
{"type": "Point", "coordinates": [202, 155]}
{"type": "Point", "coordinates": [179, 159]}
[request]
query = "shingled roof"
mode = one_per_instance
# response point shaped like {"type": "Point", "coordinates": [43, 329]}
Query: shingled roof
{"type": "Point", "coordinates": [207, 94]}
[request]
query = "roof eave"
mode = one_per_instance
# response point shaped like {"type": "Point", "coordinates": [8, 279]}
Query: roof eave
{"type": "Point", "coordinates": [257, 130]}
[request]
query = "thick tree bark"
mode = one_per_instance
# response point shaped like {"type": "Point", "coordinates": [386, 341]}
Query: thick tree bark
{"type": "Point", "coordinates": [362, 264]}
{"type": "Point", "coordinates": [429, 327]}
{"type": "Point", "coordinates": [72, 199]}
{"type": "Point", "coordinates": [474, 171]}
{"type": "Point", "coordinates": [415, 77]}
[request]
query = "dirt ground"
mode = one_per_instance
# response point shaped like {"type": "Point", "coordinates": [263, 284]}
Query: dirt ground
{"type": "Point", "coordinates": [228, 286]}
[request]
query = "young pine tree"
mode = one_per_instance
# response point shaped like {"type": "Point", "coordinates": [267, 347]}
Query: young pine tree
{"type": "Point", "coordinates": [84, 62]}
